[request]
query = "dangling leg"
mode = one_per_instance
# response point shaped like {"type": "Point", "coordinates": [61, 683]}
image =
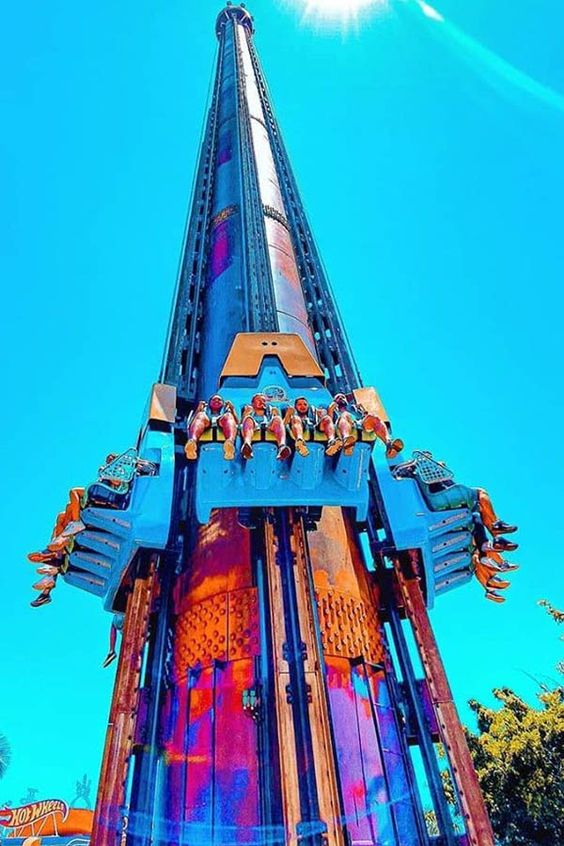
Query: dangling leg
{"type": "Point", "coordinates": [327, 426]}
{"type": "Point", "coordinates": [247, 431]}
{"type": "Point", "coordinates": [297, 429]}
{"type": "Point", "coordinates": [276, 426]}
{"type": "Point", "coordinates": [112, 654]}
{"type": "Point", "coordinates": [228, 426]}
{"type": "Point", "coordinates": [372, 423]}
{"type": "Point", "coordinates": [46, 586]}
{"type": "Point", "coordinates": [75, 495]}
{"type": "Point", "coordinates": [345, 430]}
{"type": "Point", "coordinates": [490, 518]}
{"type": "Point", "coordinates": [196, 429]}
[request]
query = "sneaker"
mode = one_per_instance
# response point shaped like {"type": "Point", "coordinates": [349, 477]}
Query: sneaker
{"type": "Point", "coordinates": [43, 557]}
{"type": "Point", "coordinates": [283, 453]}
{"type": "Point", "coordinates": [498, 564]}
{"type": "Point", "coordinates": [301, 447]}
{"type": "Point", "coordinates": [58, 544]}
{"type": "Point", "coordinates": [247, 451]}
{"type": "Point", "coordinates": [500, 544]}
{"type": "Point", "coordinates": [42, 599]}
{"type": "Point", "coordinates": [501, 528]}
{"type": "Point", "coordinates": [498, 584]}
{"type": "Point", "coordinates": [109, 659]}
{"type": "Point", "coordinates": [333, 446]}
{"type": "Point", "coordinates": [394, 447]}
{"type": "Point", "coordinates": [228, 450]}
{"type": "Point", "coordinates": [73, 528]}
{"type": "Point", "coordinates": [48, 583]}
{"type": "Point", "coordinates": [191, 450]}
{"type": "Point", "coordinates": [494, 597]}
{"type": "Point", "coordinates": [47, 570]}
{"type": "Point", "coordinates": [349, 442]}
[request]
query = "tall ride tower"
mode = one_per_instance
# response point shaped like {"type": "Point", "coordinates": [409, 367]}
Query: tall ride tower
{"type": "Point", "coordinates": [278, 679]}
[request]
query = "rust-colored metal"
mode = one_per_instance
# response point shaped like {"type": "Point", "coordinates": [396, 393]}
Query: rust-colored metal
{"type": "Point", "coordinates": [284, 718]}
{"type": "Point", "coordinates": [216, 602]}
{"type": "Point", "coordinates": [119, 735]}
{"type": "Point", "coordinates": [326, 775]}
{"type": "Point", "coordinates": [249, 349]}
{"type": "Point", "coordinates": [346, 600]}
{"type": "Point", "coordinates": [370, 400]}
{"type": "Point", "coordinates": [221, 628]}
{"type": "Point", "coordinates": [162, 405]}
{"type": "Point", "coordinates": [473, 808]}
{"type": "Point", "coordinates": [326, 779]}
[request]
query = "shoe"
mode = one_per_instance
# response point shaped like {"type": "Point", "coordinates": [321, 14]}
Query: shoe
{"type": "Point", "coordinates": [498, 564]}
{"type": "Point", "coordinates": [43, 557]}
{"type": "Point", "coordinates": [348, 443]}
{"type": "Point", "coordinates": [110, 658]}
{"type": "Point", "coordinates": [301, 447]}
{"type": "Point", "coordinates": [247, 451]}
{"type": "Point", "coordinates": [47, 570]}
{"type": "Point", "coordinates": [333, 446]}
{"type": "Point", "coordinates": [42, 599]}
{"type": "Point", "coordinates": [48, 583]}
{"type": "Point", "coordinates": [394, 447]}
{"type": "Point", "coordinates": [498, 584]}
{"type": "Point", "coordinates": [494, 597]}
{"type": "Point", "coordinates": [191, 450]}
{"type": "Point", "coordinates": [228, 450]}
{"type": "Point", "coordinates": [73, 528]}
{"type": "Point", "coordinates": [348, 451]}
{"type": "Point", "coordinates": [501, 528]}
{"type": "Point", "coordinates": [58, 544]}
{"type": "Point", "coordinates": [500, 544]}
{"type": "Point", "coordinates": [283, 453]}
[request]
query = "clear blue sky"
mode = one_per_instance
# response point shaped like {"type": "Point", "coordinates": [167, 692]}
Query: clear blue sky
{"type": "Point", "coordinates": [434, 181]}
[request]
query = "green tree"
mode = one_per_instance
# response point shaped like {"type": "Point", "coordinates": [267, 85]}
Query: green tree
{"type": "Point", "coordinates": [5, 754]}
{"type": "Point", "coordinates": [518, 752]}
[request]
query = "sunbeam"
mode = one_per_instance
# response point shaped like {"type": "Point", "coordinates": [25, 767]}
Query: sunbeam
{"type": "Point", "coordinates": [495, 70]}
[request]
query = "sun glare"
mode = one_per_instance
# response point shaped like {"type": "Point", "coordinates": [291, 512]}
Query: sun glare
{"type": "Point", "coordinates": [344, 11]}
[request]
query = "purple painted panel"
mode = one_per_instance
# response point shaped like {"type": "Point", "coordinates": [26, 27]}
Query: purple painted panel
{"type": "Point", "coordinates": [396, 766]}
{"type": "Point", "coordinates": [221, 256]}
{"type": "Point", "coordinates": [199, 759]}
{"type": "Point", "coordinates": [343, 713]}
{"type": "Point", "coordinates": [175, 751]}
{"type": "Point", "coordinates": [236, 788]}
{"type": "Point", "coordinates": [377, 798]}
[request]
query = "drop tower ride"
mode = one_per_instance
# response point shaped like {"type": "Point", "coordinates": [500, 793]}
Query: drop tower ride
{"type": "Point", "coordinates": [278, 678]}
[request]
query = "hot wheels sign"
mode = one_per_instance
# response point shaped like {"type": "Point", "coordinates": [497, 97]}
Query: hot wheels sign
{"type": "Point", "coordinates": [27, 815]}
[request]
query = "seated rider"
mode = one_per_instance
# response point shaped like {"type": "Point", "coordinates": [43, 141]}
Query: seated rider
{"type": "Point", "coordinates": [117, 474]}
{"type": "Point", "coordinates": [68, 525]}
{"type": "Point", "coordinates": [487, 575]}
{"type": "Point", "coordinates": [45, 586]}
{"type": "Point", "coordinates": [215, 412]}
{"type": "Point", "coordinates": [261, 415]}
{"type": "Point", "coordinates": [302, 417]}
{"type": "Point", "coordinates": [115, 627]}
{"type": "Point", "coordinates": [348, 415]}
{"type": "Point", "coordinates": [444, 494]}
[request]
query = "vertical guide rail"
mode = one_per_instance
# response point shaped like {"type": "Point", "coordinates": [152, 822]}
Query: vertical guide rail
{"type": "Point", "coordinates": [310, 829]}
{"type": "Point", "coordinates": [471, 800]}
{"type": "Point", "coordinates": [119, 736]}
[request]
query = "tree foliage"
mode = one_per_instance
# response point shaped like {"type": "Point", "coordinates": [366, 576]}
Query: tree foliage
{"type": "Point", "coordinates": [518, 752]}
